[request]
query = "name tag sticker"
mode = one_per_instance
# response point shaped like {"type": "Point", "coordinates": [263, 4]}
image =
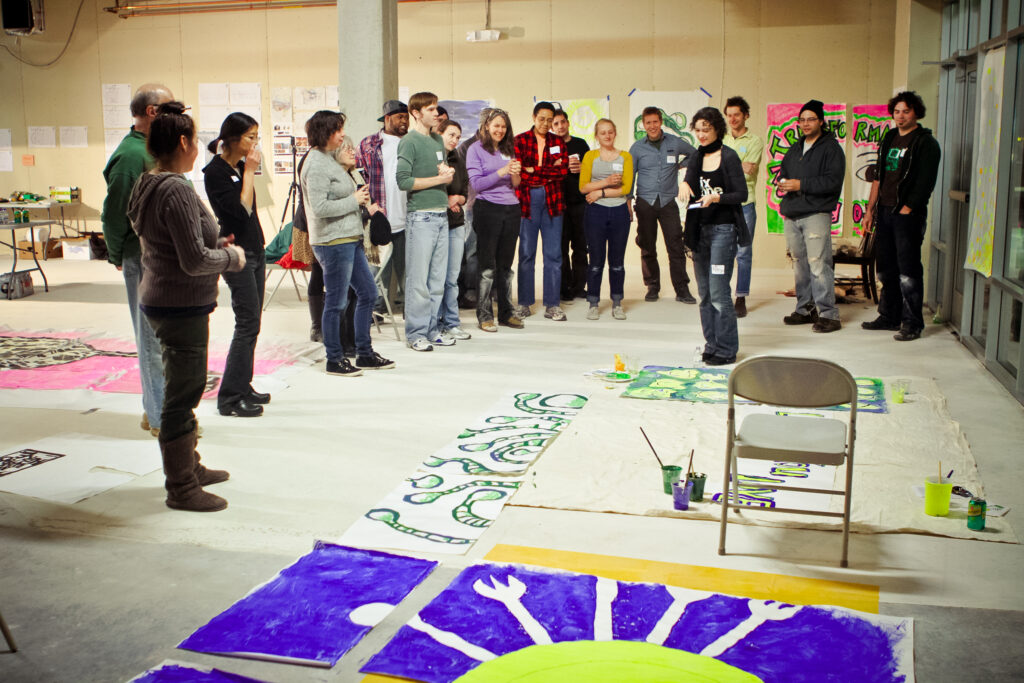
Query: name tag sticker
{"type": "Point", "coordinates": [717, 270]}
{"type": "Point", "coordinates": [555, 150]}
{"type": "Point", "coordinates": [617, 168]}
{"type": "Point", "coordinates": [235, 178]}
{"type": "Point", "coordinates": [440, 155]}
{"type": "Point", "coordinates": [670, 159]}
{"type": "Point", "coordinates": [505, 157]}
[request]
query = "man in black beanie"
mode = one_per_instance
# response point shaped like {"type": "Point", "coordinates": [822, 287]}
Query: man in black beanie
{"type": "Point", "coordinates": [811, 178]}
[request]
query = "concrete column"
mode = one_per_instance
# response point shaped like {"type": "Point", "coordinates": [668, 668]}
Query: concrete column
{"type": "Point", "coordinates": [367, 62]}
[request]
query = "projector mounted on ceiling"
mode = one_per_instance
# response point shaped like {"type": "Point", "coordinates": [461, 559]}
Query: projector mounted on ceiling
{"type": "Point", "coordinates": [487, 35]}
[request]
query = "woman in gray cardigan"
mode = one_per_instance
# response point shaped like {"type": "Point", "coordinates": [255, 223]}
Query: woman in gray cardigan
{"type": "Point", "coordinates": [332, 203]}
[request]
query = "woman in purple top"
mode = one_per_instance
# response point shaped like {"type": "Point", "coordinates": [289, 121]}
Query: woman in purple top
{"type": "Point", "coordinates": [493, 173]}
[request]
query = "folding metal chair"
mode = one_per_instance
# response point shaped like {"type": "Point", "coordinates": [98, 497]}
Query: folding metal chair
{"type": "Point", "coordinates": [799, 383]}
{"type": "Point", "coordinates": [295, 283]}
{"type": "Point", "coordinates": [382, 290]}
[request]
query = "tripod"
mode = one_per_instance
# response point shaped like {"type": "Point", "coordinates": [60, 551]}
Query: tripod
{"type": "Point", "coordinates": [293, 189]}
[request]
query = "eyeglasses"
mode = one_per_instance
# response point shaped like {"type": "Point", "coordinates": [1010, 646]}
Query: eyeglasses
{"type": "Point", "coordinates": [811, 119]}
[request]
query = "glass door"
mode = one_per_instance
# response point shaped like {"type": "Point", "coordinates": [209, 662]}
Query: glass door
{"type": "Point", "coordinates": [967, 90]}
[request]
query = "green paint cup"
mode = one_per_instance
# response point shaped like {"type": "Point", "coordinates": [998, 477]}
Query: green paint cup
{"type": "Point", "coordinates": [697, 495]}
{"type": "Point", "coordinates": [936, 496]}
{"type": "Point", "coordinates": [670, 475]}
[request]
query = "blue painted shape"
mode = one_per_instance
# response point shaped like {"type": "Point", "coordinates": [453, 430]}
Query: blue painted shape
{"type": "Point", "coordinates": [174, 673]}
{"type": "Point", "coordinates": [819, 644]}
{"type": "Point", "coordinates": [302, 614]}
{"type": "Point", "coordinates": [637, 608]}
{"type": "Point", "coordinates": [704, 621]}
{"type": "Point", "coordinates": [413, 654]}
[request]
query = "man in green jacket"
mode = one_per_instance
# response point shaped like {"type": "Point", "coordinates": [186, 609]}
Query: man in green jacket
{"type": "Point", "coordinates": [908, 164]}
{"type": "Point", "coordinates": [129, 161]}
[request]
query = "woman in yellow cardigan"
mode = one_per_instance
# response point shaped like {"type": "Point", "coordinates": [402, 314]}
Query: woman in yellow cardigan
{"type": "Point", "coordinates": [606, 178]}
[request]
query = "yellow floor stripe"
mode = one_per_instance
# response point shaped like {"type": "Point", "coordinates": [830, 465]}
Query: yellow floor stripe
{"type": "Point", "coordinates": [762, 585]}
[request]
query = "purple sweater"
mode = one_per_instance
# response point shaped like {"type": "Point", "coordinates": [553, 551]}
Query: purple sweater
{"type": "Point", "coordinates": [482, 167]}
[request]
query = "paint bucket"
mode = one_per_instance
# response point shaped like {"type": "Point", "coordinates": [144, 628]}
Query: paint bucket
{"type": "Point", "coordinates": [670, 475]}
{"type": "Point", "coordinates": [681, 495]}
{"type": "Point", "coordinates": [698, 481]}
{"type": "Point", "coordinates": [899, 390]}
{"type": "Point", "coordinates": [936, 496]}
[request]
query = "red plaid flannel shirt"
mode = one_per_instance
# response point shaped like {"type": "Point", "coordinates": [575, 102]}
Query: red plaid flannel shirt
{"type": "Point", "coordinates": [369, 158]}
{"type": "Point", "coordinates": [548, 175]}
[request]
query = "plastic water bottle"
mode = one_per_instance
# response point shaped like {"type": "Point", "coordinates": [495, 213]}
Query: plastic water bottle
{"type": "Point", "coordinates": [698, 357]}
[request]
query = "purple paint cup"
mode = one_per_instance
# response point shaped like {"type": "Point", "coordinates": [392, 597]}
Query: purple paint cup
{"type": "Point", "coordinates": [681, 494]}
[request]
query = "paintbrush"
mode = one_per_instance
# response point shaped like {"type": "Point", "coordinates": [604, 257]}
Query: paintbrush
{"type": "Point", "coordinates": [689, 468]}
{"type": "Point", "coordinates": [652, 448]}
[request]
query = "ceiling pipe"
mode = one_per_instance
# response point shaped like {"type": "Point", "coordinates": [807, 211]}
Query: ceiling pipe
{"type": "Point", "coordinates": [143, 9]}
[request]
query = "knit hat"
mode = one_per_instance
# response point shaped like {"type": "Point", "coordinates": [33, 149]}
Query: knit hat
{"type": "Point", "coordinates": [815, 107]}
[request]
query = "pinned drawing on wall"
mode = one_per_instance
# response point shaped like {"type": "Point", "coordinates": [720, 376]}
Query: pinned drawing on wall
{"type": "Point", "coordinates": [783, 131]}
{"type": "Point", "coordinates": [508, 436]}
{"type": "Point", "coordinates": [870, 124]}
{"type": "Point", "coordinates": [315, 610]}
{"type": "Point", "coordinates": [677, 108]}
{"type": "Point", "coordinates": [979, 241]}
{"type": "Point", "coordinates": [491, 610]}
{"type": "Point", "coordinates": [583, 114]}
{"type": "Point", "coordinates": [466, 113]}
{"type": "Point", "coordinates": [711, 385]}
{"type": "Point", "coordinates": [433, 513]}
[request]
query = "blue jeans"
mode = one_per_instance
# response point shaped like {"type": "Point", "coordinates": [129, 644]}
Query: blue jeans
{"type": "Point", "coordinates": [745, 255]}
{"type": "Point", "coordinates": [247, 288]}
{"type": "Point", "coordinates": [449, 317]}
{"type": "Point", "coordinates": [712, 263]}
{"type": "Point", "coordinates": [606, 227]}
{"type": "Point", "coordinates": [151, 368]}
{"type": "Point", "coordinates": [345, 265]}
{"type": "Point", "coordinates": [426, 269]}
{"type": "Point", "coordinates": [809, 240]}
{"type": "Point", "coordinates": [550, 229]}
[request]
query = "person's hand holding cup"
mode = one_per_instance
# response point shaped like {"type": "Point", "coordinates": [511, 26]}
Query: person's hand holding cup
{"type": "Point", "coordinates": [574, 163]}
{"type": "Point", "coordinates": [363, 195]}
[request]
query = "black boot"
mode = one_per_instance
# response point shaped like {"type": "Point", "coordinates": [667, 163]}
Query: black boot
{"type": "Point", "coordinates": [204, 476]}
{"type": "Point", "coordinates": [316, 312]}
{"type": "Point", "coordinates": [183, 489]}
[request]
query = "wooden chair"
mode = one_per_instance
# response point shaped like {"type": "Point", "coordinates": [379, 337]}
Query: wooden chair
{"type": "Point", "coordinates": [865, 258]}
{"type": "Point", "coordinates": [800, 383]}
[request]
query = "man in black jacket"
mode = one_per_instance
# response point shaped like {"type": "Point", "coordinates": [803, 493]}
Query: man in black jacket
{"type": "Point", "coordinates": [574, 268]}
{"type": "Point", "coordinates": [811, 176]}
{"type": "Point", "coordinates": [908, 164]}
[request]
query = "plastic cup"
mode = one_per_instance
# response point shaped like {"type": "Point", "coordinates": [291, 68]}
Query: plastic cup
{"type": "Point", "coordinates": [698, 481]}
{"type": "Point", "coordinates": [681, 495]}
{"type": "Point", "coordinates": [899, 390]}
{"type": "Point", "coordinates": [670, 475]}
{"type": "Point", "coordinates": [936, 496]}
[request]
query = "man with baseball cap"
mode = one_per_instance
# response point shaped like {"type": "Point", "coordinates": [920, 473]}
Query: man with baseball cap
{"type": "Point", "coordinates": [378, 157]}
{"type": "Point", "coordinates": [811, 180]}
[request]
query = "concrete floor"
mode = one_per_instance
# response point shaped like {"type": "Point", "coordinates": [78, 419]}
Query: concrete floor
{"type": "Point", "coordinates": [104, 589]}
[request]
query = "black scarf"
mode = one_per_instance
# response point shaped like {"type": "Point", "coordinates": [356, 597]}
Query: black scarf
{"type": "Point", "coordinates": [709, 149]}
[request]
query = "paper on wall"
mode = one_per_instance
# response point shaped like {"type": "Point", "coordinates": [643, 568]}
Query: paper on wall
{"type": "Point", "coordinates": [42, 136]}
{"type": "Point", "coordinates": [583, 114]}
{"type": "Point", "coordinates": [6, 160]}
{"type": "Point", "coordinates": [677, 107]}
{"type": "Point", "coordinates": [244, 94]}
{"type": "Point", "coordinates": [116, 94]}
{"type": "Point", "coordinates": [280, 105]}
{"type": "Point", "coordinates": [5, 138]}
{"type": "Point", "coordinates": [331, 97]}
{"type": "Point", "coordinates": [216, 94]}
{"type": "Point", "coordinates": [74, 136]}
{"type": "Point", "coordinates": [117, 116]}
{"type": "Point", "coordinates": [310, 99]}
{"type": "Point", "coordinates": [111, 139]}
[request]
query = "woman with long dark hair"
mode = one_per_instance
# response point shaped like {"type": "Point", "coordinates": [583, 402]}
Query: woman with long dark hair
{"type": "Point", "coordinates": [714, 227]}
{"type": "Point", "coordinates": [182, 257]}
{"type": "Point", "coordinates": [229, 179]}
{"type": "Point", "coordinates": [494, 173]}
{"type": "Point", "coordinates": [458, 190]}
{"type": "Point", "coordinates": [332, 203]}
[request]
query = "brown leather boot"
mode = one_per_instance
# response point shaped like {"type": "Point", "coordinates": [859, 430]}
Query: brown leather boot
{"type": "Point", "coordinates": [183, 489]}
{"type": "Point", "coordinates": [204, 476]}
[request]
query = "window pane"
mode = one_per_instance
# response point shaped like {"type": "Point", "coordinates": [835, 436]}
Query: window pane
{"type": "Point", "coordinates": [1014, 264]}
{"type": "Point", "coordinates": [1008, 353]}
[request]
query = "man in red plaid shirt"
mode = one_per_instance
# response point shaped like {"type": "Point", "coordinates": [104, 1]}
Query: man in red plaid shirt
{"type": "Point", "coordinates": [545, 162]}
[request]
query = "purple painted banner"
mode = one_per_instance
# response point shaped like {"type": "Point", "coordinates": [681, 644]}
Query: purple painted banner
{"type": "Point", "coordinates": [315, 610]}
{"type": "Point", "coordinates": [175, 673]}
{"type": "Point", "coordinates": [491, 610]}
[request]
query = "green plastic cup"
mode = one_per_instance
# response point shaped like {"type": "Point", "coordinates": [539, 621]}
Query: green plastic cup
{"type": "Point", "coordinates": [899, 390]}
{"type": "Point", "coordinates": [936, 496]}
{"type": "Point", "coordinates": [670, 475]}
{"type": "Point", "coordinates": [697, 495]}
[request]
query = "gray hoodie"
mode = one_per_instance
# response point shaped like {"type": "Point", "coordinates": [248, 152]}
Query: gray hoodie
{"type": "Point", "coordinates": [180, 258]}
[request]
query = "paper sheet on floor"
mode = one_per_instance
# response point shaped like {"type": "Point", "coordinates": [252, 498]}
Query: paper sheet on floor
{"type": "Point", "coordinates": [893, 452]}
{"type": "Point", "coordinates": [170, 671]}
{"type": "Point", "coordinates": [509, 435]}
{"type": "Point", "coordinates": [314, 610]}
{"type": "Point", "coordinates": [433, 513]}
{"type": "Point", "coordinates": [84, 466]}
{"type": "Point", "coordinates": [490, 610]}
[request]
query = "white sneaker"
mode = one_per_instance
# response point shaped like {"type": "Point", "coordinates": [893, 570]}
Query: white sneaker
{"type": "Point", "coordinates": [421, 344]}
{"type": "Point", "coordinates": [443, 338]}
{"type": "Point", "coordinates": [555, 313]}
{"type": "Point", "coordinates": [459, 333]}
{"type": "Point", "coordinates": [593, 313]}
{"type": "Point", "coordinates": [618, 313]}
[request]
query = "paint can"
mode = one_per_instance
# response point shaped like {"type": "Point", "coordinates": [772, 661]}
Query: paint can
{"type": "Point", "coordinates": [670, 475]}
{"type": "Point", "coordinates": [698, 480]}
{"type": "Point", "coordinates": [976, 510]}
